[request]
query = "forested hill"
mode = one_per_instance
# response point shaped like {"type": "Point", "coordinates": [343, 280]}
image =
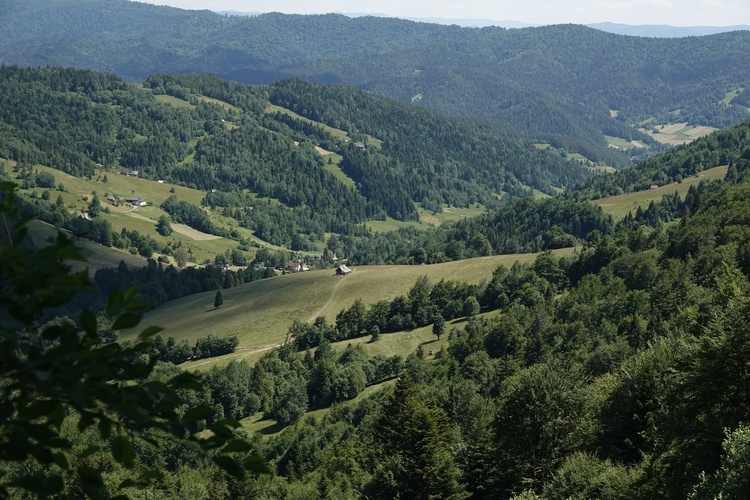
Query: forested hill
{"type": "Point", "coordinates": [381, 158]}
{"type": "Point", "coordinates": [554, 80]}
{"type": "Point", "coordinates": [725, 147]}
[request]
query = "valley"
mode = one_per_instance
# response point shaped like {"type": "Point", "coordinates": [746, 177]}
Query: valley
{"type": "Point", "coordinates": [319, 256]}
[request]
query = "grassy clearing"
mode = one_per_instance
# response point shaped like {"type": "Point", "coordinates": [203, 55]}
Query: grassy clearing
{"type": "Point", "coordinates": [603, 169]}
{"type": "Point", "coordinates": [97, 256]}
{"type": "Point", "coordinates": [223, 104]}
{"type": "Point", "coordinates": [407, 342]}
{"type": "Point", "coordinates": [268, 427]}
{"type": "Point", "coordinates": [173, 101]}
{"type": "Point", "coordinates": [272, 108]}
{"type": "Point", "coordinates": [539, 195]}
{"type": "Point", "coordinates": [426, 217]}
{"type": "Point", "coordinates": [260, 313]}
{"type": "Point", "coordinates": [619, 206]}
{"type": "Point", "coordinates": [622, 144]}
{"type": "Point", "coordinates": [334, 167]}
{"type": "Point", "coordinates": [389, 224]}
{"type": "Point", "coordinates": [336, 132]}
{"type": "Point", "coordinates": [449, 214]}
{"type": "Point", "coordinates": [731, 95]}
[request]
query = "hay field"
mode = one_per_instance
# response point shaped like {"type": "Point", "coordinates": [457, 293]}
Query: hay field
{"type": "Point", "coordinates": [677, 134]}
{"type": "Point", "coordinates": [260, 313]}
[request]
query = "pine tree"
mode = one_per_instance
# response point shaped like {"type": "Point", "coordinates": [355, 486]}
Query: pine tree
{"type": "Point", "coordinates": [219, 299]}
{"type": "Point", "coordinates": [415, 437]}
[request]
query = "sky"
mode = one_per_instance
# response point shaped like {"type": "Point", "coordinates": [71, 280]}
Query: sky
{"type": "Point", "coordinates": [636, 12]}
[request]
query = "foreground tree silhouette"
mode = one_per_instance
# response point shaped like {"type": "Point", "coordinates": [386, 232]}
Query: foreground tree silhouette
{"type": "Point", "coordinates": [54, 373]}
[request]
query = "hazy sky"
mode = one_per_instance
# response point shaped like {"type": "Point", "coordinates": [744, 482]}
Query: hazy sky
{"type": "Point", "coordinates": [673, 12]}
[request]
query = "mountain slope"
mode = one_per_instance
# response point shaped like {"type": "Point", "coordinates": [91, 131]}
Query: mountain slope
{"type": "Point", "coordinates": [263, 168]}
{"type": "Point", "coordinates": [561, 80]}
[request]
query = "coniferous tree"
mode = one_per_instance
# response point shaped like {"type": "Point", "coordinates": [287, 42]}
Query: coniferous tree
{"type": "Point", "coordinates": [218, 299]}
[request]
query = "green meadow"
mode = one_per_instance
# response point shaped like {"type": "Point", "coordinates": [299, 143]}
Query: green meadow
{"type": "Point", "coordinates": [619, 206]}
{"type": "Point", "coordinates": [260, 313]}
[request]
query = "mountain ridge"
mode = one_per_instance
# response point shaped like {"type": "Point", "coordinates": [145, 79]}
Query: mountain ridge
{"type": "Point", "coordinates": [563, 80]}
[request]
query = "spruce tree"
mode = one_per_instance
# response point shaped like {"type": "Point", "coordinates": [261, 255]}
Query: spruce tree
{"type": "Point", "coordinates": [219, 299]}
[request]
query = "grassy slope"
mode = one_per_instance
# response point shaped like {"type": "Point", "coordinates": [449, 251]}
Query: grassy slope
{"type": "Point", "coordinates": [261, 312]}
{"type": "Point", "coordinates": [97, 256]}
{"type": "Point", "coordinates": [619, 206]}
{"type": "Point", "coordinates": [267, 427]}
{"type": "Point", "coordinates": [389, 344]}
{"type": "Point", "coordinates": [78, 193]}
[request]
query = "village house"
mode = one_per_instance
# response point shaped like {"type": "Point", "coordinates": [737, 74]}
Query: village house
{"type": "Point", "coordinates": [136, 202]}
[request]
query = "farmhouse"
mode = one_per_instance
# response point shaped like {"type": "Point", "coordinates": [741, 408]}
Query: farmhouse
{"type": "Point", "coordinates": [136, 202]}
{"type": "Point", "coordinates": [342, 270]}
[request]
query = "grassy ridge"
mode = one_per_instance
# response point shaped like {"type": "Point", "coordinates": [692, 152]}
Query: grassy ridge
{"type": "Point", "coordinates": [260, 313]}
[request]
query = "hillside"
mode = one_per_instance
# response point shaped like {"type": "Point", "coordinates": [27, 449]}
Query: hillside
{"type": "Point", "coordinates": [571, 84]}
{"type": "Point", "coordinates": [266, 168]}
{"type": "Point", "coordinates": [615, 370]}
{"type": "Point", "coordinates": [260, 313]}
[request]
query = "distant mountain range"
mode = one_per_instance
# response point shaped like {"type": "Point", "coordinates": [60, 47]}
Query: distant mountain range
{"type": "Point", "coordinates": [569, 86]}
{"type": "Point", "coordinates": [645, 30]}
{"type": "Point", "coordinates": [666, 31]}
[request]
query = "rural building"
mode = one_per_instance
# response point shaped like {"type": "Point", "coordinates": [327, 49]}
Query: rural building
{"type": "Point", "coordinates": [342, 270]}
{"type": "Point", "coordinates": [136, 202]}
{"type": "Point", "coordinates": [294, 266]}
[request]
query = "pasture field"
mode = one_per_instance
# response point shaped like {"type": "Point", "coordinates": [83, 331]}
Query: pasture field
{"type": "Point", "coordinates": [677, 133]}
{"type": "Point", "coordinates": [181, 103]}
{"type": "Point", "coordinates": [79, 192]}
{"type": "Point", "coordinates": [603, 169]}
{"type": "Point", "coordinates": [260, 313]}
{"type": "Point", "coordinates": [619, 206]}
{"type": "Point", "coordinates": [426, 217]}
{"type": "Point", "coordinates": [450, 214]}
{"type": "Point", "coordinates": [122, 186]}
{"type": "Point", "coordinates": [389, 224]}
{"type": "Point", "coordinates": [621, 143]}
{"type": "Point", "coordinates": [173, 101]}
